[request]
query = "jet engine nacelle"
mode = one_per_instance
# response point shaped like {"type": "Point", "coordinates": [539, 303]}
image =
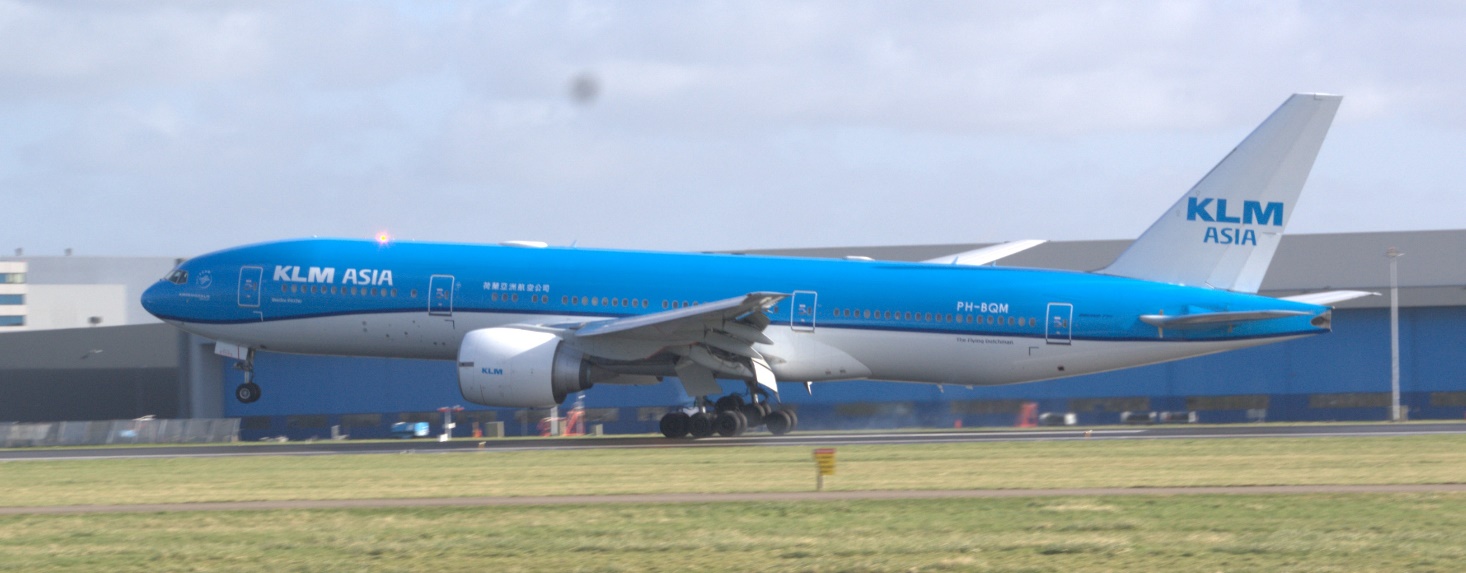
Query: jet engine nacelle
{"type": "Point", "coordinates": [512, 367]}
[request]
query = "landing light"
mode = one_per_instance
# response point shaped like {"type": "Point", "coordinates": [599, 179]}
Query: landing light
{"type": "Point", "coordinates": [383, 238]}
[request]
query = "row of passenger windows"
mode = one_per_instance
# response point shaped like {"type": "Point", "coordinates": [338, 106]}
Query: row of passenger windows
{"type": "Point", "coordinates": [576, 300]}
{"type": "Point", "coordinates": [342, 290]}
{"type": "Point", "coordinates": [989, 319]}
{"type": "Point", "coordinates": [573, 300]}
{"type": "Point", "coordinates": [667, 304]}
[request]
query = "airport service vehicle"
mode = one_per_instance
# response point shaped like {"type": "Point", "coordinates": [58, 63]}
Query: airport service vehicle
{"type": "Point", "coordinates": [529, 324]}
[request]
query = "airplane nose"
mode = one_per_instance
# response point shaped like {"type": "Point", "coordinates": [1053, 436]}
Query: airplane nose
{"type": "Point", "coordinates": [152, 299]}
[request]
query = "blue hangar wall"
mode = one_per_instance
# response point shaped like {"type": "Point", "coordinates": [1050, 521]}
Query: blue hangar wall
{"type": "Point", "coordinates": [1343, 375]}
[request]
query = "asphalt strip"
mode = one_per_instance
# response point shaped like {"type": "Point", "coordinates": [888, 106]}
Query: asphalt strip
{"type": "Point", "coordinates": [725, 497]}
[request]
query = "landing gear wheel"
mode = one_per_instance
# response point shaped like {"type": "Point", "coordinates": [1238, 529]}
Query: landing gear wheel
{"type": "Point", "coordinates": [780, 422]}
{"type": "Point", "coordinates": [730, 423]}
{"type": "Point", "coordinates": [729, 403]}
{"type": "Point", "coordinates": [700, 425]}
{"type": "Point", "coordinates": [247, 393]}
{"type": "Point", "coordinates": [675, 425]}
{"type": "Point", "coordinates": [754, 414]}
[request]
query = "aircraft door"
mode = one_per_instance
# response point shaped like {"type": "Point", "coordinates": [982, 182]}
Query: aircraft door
{"type": "Point", "coordinates": [249, 286]}
{"type": "Point", "coordinates": [802, 309]}
{"type": "Point", "coordinates": [1059, 326]}
{"type": "Point", "coordinates": [440, 295]}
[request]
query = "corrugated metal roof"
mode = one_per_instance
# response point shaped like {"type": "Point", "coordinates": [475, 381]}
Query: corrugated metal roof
{"type": "Point", "coordinates": [1432, 272]}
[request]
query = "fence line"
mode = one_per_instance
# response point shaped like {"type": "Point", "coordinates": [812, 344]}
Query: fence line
{"type": "Point", "coordinates": [103, 432]}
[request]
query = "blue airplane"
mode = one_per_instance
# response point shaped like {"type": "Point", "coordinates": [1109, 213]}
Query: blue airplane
{"type": "Point", "coordinates": [530, 324]}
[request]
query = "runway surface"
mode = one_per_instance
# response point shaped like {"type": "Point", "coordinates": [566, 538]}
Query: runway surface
{"type": "Point", "coordinates": [803, 496]}
{"type": "Point", "coordinates": [797, 439]}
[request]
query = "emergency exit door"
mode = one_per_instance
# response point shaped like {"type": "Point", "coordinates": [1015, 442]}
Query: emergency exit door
{"type": "Point", "coordinates": [440, 295]}
{"type": "Point", "coordinates": [1060, 323]}
{"type": "Point", "coordinates": [249, 286]}
{"type": "Point", "coordinates": [802, 308]}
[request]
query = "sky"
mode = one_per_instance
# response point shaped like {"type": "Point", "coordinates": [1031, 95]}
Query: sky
{"type": "Point", "coordinates": [176, 128]}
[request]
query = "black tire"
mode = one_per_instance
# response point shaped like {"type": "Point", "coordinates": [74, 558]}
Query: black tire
{"type": "Point", "coordinates": [700, 425]}
{"type": "Point", "coordinates": [730, 423]}
{"type": "Point", "coordinates": [675, 425]}
{"type": "Point", "coordinates": [754, 414]}
{"type": "Point", "coordinates": [247, 393]}
{"type": "Point", "coordinates": [779, 422]}
{"type": "Point", "coordinates": [729, 403]}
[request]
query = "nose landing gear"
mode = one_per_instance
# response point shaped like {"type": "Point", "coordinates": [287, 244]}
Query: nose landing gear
{"type": "Point", "coordinates": [248, 392]}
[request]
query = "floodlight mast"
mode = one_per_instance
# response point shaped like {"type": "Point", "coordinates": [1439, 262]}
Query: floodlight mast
{"type": "Point", "coordinates": [1394, 256]}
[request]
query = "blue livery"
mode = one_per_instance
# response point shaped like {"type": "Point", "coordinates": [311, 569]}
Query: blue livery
{"type": "Point", "coordinates": [528, 324]}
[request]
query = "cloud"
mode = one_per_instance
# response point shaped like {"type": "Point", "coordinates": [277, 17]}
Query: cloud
{"type": "Point", "coordinates": [717, 125]}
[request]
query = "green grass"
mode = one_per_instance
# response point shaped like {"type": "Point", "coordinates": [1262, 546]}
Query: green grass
{"type": "Point", "coordinates": [1091, 463]}
{"type": "Point", "coordinates": [1403, 532]}
{"type": "Point", "coordinates": [1316, 533]}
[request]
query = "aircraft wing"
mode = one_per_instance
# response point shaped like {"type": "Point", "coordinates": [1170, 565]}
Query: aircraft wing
{"type": "Point", "coordinates": [711, 340]}
{"type": "Point", "coordinates": [988, 254]}
{"type": "Point", "coordinates": [1329, 297]}
{"type": "Point", "coordinates": [1204, 319]}
{"type": "Point", "coordinates": [680, 323]}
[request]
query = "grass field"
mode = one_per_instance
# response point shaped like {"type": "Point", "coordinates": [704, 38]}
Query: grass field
{"type": "Point", "coordinates": [1205, 533]}
{"type": "Point", "coordinates": [1094, 463]}
{"type": "Point", "coordinates": [1362, 532]}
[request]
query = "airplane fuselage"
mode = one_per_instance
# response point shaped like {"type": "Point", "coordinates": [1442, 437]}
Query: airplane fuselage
{"type": "Point", "coordinates": [842, 319]}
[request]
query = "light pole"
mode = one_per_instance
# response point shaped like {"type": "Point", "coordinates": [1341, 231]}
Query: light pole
{"type": "Point", "coordinates": [1394, 255]}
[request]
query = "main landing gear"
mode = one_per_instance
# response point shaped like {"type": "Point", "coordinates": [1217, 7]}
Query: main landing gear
{"type": "Point", "coordinates": [248, 392]}
{"type": "Point", "coordinates": [730, 416]}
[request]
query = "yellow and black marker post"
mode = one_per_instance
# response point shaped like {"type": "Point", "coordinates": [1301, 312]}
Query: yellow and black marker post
{"type": "Point", "coordinates": [824, 459]}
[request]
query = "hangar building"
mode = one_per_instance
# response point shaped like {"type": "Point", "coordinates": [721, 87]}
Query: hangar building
{"type": "Point", "coordinates": [1344, 375]}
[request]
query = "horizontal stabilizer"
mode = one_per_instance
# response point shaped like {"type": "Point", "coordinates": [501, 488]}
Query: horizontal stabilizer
{"type": "Point", "coordinates": [1215, 318]}
{"type": "Point", "coordinates": [1329, 297]}
{"type": "Point", "coordinates": [985, 255]}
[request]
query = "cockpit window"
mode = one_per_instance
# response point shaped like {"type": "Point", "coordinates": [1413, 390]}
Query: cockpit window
{"type": "Point", "coordinates": [178, 277]}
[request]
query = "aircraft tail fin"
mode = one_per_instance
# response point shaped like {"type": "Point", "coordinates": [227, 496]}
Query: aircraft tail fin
{"type": "Point", "coordinates": [1224, 231]}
